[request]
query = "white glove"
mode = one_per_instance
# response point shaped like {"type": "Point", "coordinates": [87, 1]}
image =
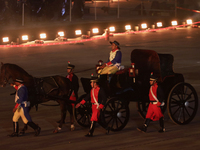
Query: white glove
{"type": "Point", "coordinates": [162, 104]}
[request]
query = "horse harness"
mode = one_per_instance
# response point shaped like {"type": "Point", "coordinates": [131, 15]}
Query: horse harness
{"type": "Point", "coordinates": [44, 86]}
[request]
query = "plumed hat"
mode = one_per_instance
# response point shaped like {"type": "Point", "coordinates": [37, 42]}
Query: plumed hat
{"type": "Point", "coordinates": [70, 66]}
{"type": "Point", "coordinates": [93, 79]}
{"type": "Point", "coordinates": [153, 77]}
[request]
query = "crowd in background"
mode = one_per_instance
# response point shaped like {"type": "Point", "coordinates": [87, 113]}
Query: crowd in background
{"type": "Point", "coordinates": [37, 10]}
{"type": "Point", "coordinates": [59, 10]}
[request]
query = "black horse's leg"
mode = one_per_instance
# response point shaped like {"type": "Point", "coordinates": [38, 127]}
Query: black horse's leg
{"type": "Point", "coordinates": [63, 116]}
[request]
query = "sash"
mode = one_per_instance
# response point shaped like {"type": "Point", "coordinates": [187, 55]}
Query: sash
{"type": "Point", "coordinates": [153, 95]}
{"type": "Point", "coordinates": [96, 103]}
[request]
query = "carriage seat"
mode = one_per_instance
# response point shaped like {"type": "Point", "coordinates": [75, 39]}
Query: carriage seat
{"type": "Point", "coordinates": [121, 71]}
{"type": "Point", "coordinates": [121, 67]}
{"type": "Point", "coordinates": [166, 65]}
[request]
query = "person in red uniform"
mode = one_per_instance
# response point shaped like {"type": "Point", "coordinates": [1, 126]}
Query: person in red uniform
{"type": "Point", "coordinates": [154, 112]}
{"type": "Point", "coordinates": [74, 96]}
{"type": "Point", "coordinates": [98, 98]}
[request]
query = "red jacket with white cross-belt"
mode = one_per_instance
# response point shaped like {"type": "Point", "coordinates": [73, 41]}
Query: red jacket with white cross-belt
{"type": "Point", "coordinates": [99, 94]}
{"type": "Point", "coordinates": [158, 92]}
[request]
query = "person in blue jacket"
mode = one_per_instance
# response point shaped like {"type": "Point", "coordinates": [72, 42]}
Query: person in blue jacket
{"type": "Point", "coordinates": [114, 60]}
{"type": "Point", "coordinates": [22, 108]}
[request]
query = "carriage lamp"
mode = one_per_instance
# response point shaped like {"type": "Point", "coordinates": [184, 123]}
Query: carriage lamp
{"type": "Point", "coordinates": [128, 27]}
{"type": "Point", "coordinates": [5, 39]}
{"type": "Point", "coordinates": [174, 23]}
{"type": "Point", "coordinates": [143, 25]}
{"type": "Point", "coordinates": [78, 32]}
{"type": "Point", "coordinates": [24, 37]}
{"type": "Point", "coordinates": [43, 35]}
{"type": "Point", "coordinates": [189, 21]}
{"type": "Point", "coordinates": [95, 30]}
{"type": "Point", "coordinates": [61, 33]}
{"type": "Point", "coordinates": [133, 65]}
{"type": "Point", "coordinates": [112, 29]}
{"type": "Point", "coordinates": [131, 72]}
{"type": "Point", "coordinates": [159, 24]}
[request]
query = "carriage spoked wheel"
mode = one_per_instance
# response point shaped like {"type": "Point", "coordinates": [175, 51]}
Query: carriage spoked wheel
{"type": "Point", "coordinates": [142, 107]}
{"type": "Point", "coordinates": [115, 114]}
{"type": "Point", "coordinates": [83, 113]}
{"type": "Point", "coordinates": [182, 103]}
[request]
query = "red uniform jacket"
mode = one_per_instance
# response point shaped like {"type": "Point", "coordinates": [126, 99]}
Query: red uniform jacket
{"type": "Point", "coordinates": [154, 112]}
{"type": "Point", "coordinates": [99, 95]}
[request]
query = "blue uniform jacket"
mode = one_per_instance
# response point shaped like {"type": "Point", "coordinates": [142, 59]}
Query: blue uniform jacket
{"type": "Point", "coordinates": [22, 94]}
{"type": "Point", "coordinates": [117, 58]}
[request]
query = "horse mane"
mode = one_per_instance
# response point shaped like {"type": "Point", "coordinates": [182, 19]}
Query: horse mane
{"type": "Point", "coordinates": [15, 68]}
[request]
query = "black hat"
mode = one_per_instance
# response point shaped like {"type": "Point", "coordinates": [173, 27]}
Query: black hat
{"type": "Point", "coordinates": [153, 77]}
{"type": "Point", "coordinates": [93, 79]}
{"type": "Point", "coordinates": [115, 42]}
{"type": "Point", "coordinates": [70, 66]}
{"type": "Point", "coordinates": [19, 80]}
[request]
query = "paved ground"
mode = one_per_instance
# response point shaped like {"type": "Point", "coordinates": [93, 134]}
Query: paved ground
{"type": "Point", "coordinates": [183, 44]}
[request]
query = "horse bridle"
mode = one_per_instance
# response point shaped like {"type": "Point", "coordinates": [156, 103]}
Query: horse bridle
{"type": "Point", "coordinates": [5, 81]}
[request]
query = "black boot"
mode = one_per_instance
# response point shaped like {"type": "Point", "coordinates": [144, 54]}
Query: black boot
{"type": "Point", "coordinates": [108, 130]}
{"type": "Point", "coordinates": [60, 121]}
{"type": "Point", "coordinates": [22, 132]}
{"type": "Point", "coordinates": [16, 130]}
{"type": "Point", "coordinates": [162, 128]}
{"type": "Point", "coordinates": [144, 127]}
{"type": "Point", "coordinates": [35, 127]}
{"type": "Point", "coordinates": [90, 133]}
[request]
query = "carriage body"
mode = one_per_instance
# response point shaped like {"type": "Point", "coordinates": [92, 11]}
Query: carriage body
{"type": "Point", "coordinates": [132, 85]}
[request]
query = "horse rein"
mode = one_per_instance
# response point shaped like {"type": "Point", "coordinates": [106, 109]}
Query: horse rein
{"type": "Point", "coordinates": [5, 81]}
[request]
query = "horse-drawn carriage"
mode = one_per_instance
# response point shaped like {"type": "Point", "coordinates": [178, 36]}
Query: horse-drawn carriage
{"type": "Point", "coordinates": [132, 84]}
{"type": "Point", "coordinates": [127, 85]}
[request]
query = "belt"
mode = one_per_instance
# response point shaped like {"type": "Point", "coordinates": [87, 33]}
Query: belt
{"type": "Point", "coordinates": [153, 102]}
{"type": "Point", "coordinates": [26, 104]}
{"type": "Point", "coordinates": [95, 103]}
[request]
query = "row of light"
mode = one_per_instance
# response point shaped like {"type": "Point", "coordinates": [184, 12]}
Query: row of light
{"type": "Point", "coordinates": [96, 30]}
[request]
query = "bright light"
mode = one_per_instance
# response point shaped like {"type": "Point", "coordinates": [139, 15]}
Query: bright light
{"type": "Point", "coordinates": [112, 29]}
{"type": "Point", "coordinates": [174, 23]}
{"type": "Point", "coordinates": [78, 32]}
{"type": "Point", "coordinates": [128, 27]}
{"type": "Point", "coordinates": [189, 21]}
{"type": "Point", "coordinates": [5, 39]}
{"type": "Point", "coordinates": [43, 35]}
{"type": "Point", "coordinates": [159, 24]}
{"type": "Point", "coordinates": [95, 30]}
{"type": "Point", "coordinates": [61, 33]}
{"type": "Point", "coordinates": [24, 37]}
{"type": "Point", "coordinates": [144, 26]}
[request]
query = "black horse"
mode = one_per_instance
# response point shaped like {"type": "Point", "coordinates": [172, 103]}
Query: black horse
{"type": "Point", "coordinates": [40, 90]}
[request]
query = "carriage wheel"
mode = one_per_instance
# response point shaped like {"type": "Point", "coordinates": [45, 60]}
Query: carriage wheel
{"type": "Point", "coordinates": [115, 114]}
{"type": "Point", "coordinates": [142, 108]}
{"type": "Point", "coordinates": [83, 113]}
{"type": "Point", "coordinates": [182, 103]}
